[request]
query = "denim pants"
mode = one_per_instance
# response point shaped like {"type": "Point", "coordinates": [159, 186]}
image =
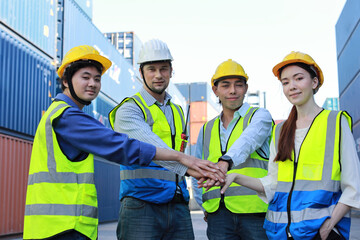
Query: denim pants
{"type": "Point", "coordinates": [139, 220]}
{"type": "Point", "coordinates": [225, 225]}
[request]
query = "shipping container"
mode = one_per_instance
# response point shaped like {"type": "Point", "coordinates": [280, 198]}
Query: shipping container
{"type": "Point", "coordinates": [356, 132]}
{"type": "Point", "coordinates": [202, 112]}
{"type": "Point", "coordinates": [348, 52]}
{"type": "Point", "coordinates": [346, 23]}
{"type": "Point", "coordinates": [199, 92]}
{"type": "Point", "coordinates": [198, 112]}
{"type": "Point", "coordinates": [15, 156]}
{"type": "Point", "coordinates": [121, 80]}
{"type": "Point", "coordinates": [194, 131]}
{"type": "Point", "coordinates": [176, 96]}
{"type": "Point", "coordinates": [107, 181]}
{"type": "Point", "coordinates": [350, 99]}
{"type": "Point", "coordinates": [27, 83]}
{"type": "Point", "coordinates": [184, 88]}
{"type": "Point", "coordinates": [349, 60]}
{"type": "Point", "coordinates": [32, 19]}
{"type": "Point", "coordinates": [86, 6]}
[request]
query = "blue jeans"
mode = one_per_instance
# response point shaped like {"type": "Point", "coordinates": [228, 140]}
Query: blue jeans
{"type": "Point", "coordinates": [140, 220]}
{"type": "Point", "coordinates": [225, 225]}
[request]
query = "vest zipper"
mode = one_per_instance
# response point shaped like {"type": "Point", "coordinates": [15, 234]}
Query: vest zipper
{"type": "Point", "coordinates": [289, 198]}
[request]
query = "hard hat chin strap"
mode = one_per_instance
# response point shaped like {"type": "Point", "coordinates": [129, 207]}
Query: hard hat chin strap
{"type": "Point", "coordinates": [73, 94]}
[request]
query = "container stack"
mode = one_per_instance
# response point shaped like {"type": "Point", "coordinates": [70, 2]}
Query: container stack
{"type": "Point", "coordinates": [27, 84]}
{"type": "Point", "coordinates": [203, 107]}
{"type": "Point", "coordinates": [34, 36]}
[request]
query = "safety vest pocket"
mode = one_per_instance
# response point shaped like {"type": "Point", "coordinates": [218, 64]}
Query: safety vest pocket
{"type": "Point", "coordinates": [318, 199]}
{"type": "Point", "coordinates": [311, 172]}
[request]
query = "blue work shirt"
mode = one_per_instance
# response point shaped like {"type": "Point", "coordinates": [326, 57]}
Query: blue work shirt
{"type": "Point", "coordinates": [79, 134]}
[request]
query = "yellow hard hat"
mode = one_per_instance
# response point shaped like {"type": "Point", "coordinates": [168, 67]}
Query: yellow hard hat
{"type": "Point", "coordinates": [229, 69]}
{"type": "Point", "coordinates": [83, 52]}
{"type": "Point", "coordinates": [299, 57]}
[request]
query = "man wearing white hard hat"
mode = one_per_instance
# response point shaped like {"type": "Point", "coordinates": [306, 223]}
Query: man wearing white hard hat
{"type": "Point", "coordinates": [154, 201]}
{"type": "Point", "coordinates": [61, 201]}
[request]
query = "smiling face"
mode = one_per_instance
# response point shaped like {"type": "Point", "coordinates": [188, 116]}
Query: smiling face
{"type": "Point", "coordinates": [231, 92]}
{"type": "Point", "coordinates": [298, 85]}
{"type": "Point", "coordinates": [157, 76]}
{"type": "Point", "coordinates": [86, 82]}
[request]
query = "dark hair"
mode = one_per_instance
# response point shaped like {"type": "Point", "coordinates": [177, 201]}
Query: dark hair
{"type": "Point", "coordinates": [76, 66]}
{"type": "Point", "coordinates": [216, 81]}
{"type": "Point", "coordinates": [287, 137]}
{"type": "Point", "coordinates": [287, 134]}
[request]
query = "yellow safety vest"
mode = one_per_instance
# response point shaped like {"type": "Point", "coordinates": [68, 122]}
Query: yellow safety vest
{"type": "Point", "coordinates": [144, 182]}
{"type": "Point", "coordinates": [237, 199]}
{"type": "Point", "coordinates": [308, 189]}
{"type": "Point", "coordinates": [61, 194]}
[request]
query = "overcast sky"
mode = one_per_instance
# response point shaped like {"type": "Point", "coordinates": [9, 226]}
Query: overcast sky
{"type": "Point", "coordinates": [256, 33]}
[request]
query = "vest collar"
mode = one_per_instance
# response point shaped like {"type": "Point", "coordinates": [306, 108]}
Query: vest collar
{"type": "Point", "coordinates": [150, 100]}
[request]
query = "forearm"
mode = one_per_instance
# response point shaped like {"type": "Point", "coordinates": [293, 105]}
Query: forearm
{"type": "Point", "coordinates": [339, 212]}
{"type": "Point", "coordinates": [249, 182]}
{"type": "Point", "coordinates": [254, 137]}
{"type": "Point", "coordinates": [169, 155]}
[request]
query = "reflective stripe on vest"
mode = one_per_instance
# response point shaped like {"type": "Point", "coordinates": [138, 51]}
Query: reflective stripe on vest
{"type": "Point", "coordinates": [317, 181]}
{"type": "Point", "coordinates": [61, 209]}
{"type": "Point", "coordinates": [153, 183]}
{"type": "Point", "coordinates": [147, 173]}
{"type": "Point", "coordinates": [237, 199]}
{"type": "Point", "coordinates": [61, 194]}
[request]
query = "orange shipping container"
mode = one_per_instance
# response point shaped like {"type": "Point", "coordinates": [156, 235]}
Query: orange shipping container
{"type": "Point", "coordinates": [15, 156]}
{"type": "Point", "coordinates": [194, 131]}
{"type": "Point", "coordinates": [198, 111]}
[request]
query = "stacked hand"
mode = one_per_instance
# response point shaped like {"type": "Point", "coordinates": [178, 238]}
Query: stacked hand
{"type": "Point", "coordinates": [203, 169]}
{"type": "Point", "coordinates": [208, 183]}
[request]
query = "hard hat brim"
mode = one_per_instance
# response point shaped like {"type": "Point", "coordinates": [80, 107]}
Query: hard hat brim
{"type": "Point", "coordinates": [241, 77]}
{"type": "Point", "coordinates": [105, 62]}
{"type": "Point", "coordinates": [280, 65]}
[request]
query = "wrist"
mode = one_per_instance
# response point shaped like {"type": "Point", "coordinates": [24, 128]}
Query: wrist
{"type": "Point", "coordinates": [228, 160]}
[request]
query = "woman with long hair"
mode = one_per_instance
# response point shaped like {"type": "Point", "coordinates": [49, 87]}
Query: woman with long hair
{"type": "Point", "coordinates": [314, 172]}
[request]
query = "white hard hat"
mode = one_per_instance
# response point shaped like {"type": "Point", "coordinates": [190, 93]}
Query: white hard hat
{"type": "Point", "coordinates": [154, 50]}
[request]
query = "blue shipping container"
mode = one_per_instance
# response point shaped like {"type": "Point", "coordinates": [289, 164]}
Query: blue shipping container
{"type": "Point", "coordinates": [348, 52]}
{"type": "Point", "coordinates": [86, 6]}
{"type": "Point", "coordinates": [121, 80]}
{"type": "Point", "coordinates": [34, 20]}
{"type": "Point", "coordinates": [348, 19]}
{"type": "Point", "coordinates": [27, 83]}
{"type": "Point", "coordinates": [349, 60]}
